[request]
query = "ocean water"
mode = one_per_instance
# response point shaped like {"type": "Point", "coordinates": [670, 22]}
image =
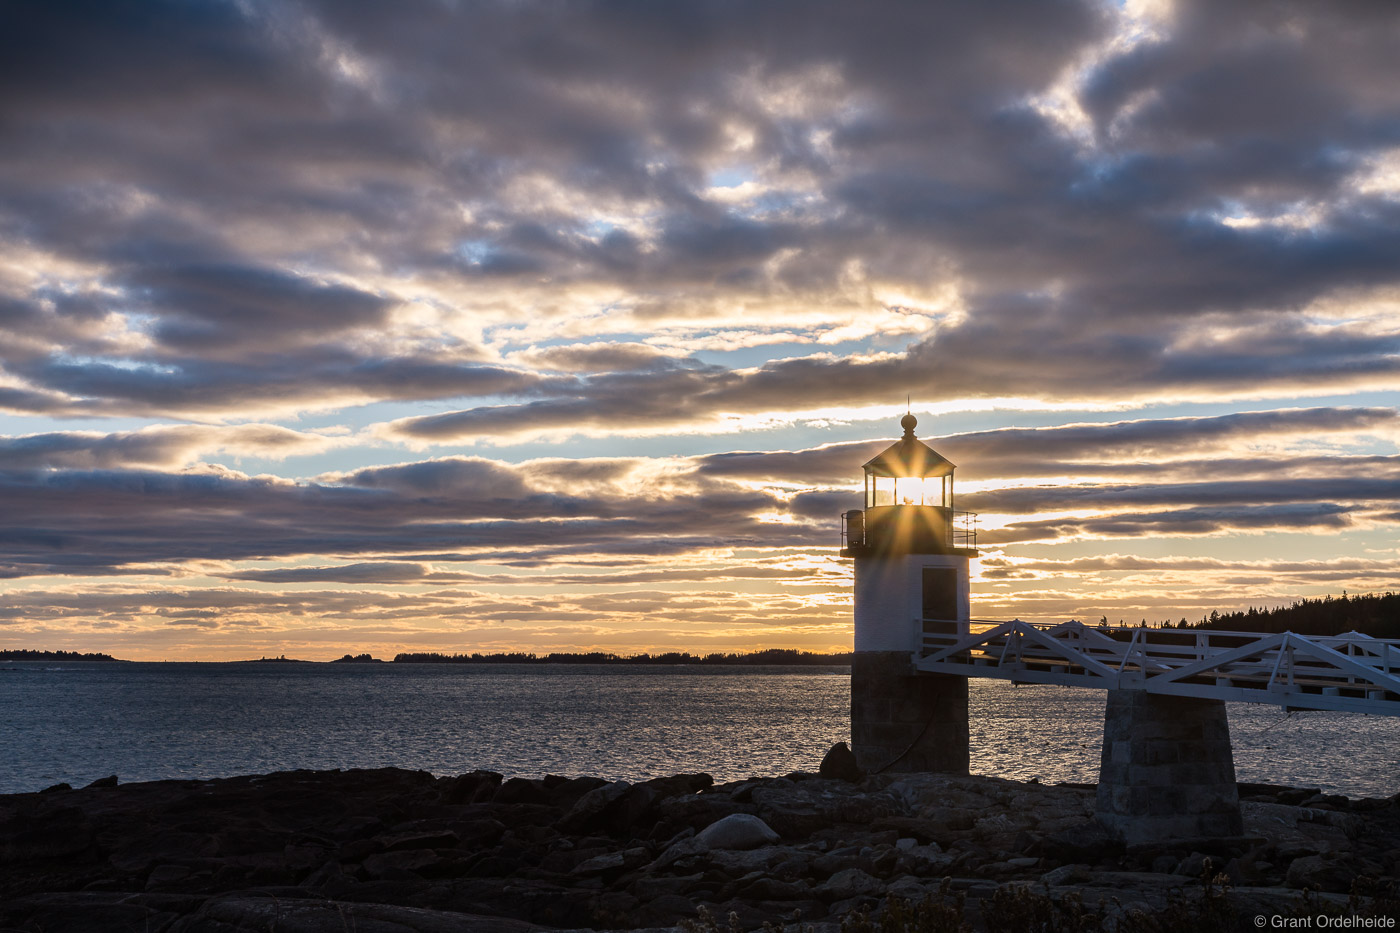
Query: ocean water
{"type": "Point", "coordinates": [79, 722]}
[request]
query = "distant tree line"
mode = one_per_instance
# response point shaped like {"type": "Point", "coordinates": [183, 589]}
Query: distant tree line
{"type": "Point", "coordinates": [1374, 614]}
{"type": "Point", "coordinates": [768, 656]}
{"type": "Point", "coordinates": [21, 654]}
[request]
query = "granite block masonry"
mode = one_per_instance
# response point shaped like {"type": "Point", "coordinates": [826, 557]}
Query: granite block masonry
{"type": "Point", "coordinates": [906, 722]}
{"type": "Point", "coordinates": [1167, 771]}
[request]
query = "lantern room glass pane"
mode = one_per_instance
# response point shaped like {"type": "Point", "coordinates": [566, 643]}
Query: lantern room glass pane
{"type": "Point", "coordinates": [880, 491]}
{"type": "Point", "coordinates": [908, 490]}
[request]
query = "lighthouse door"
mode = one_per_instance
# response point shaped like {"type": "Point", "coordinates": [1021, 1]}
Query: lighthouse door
{"type": "Point", "coordinates": [940, 601]}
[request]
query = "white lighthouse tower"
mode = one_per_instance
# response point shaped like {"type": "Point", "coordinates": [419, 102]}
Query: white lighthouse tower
{"type": "Point", "coordinates": [912, 552]}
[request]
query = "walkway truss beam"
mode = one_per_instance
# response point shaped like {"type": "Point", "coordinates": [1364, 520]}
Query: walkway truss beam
{"type": "Point", "coordinates": [1349, 673]}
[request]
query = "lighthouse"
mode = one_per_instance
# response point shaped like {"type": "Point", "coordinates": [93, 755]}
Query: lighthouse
{"type": "Point", "coordinates": [912, 552]}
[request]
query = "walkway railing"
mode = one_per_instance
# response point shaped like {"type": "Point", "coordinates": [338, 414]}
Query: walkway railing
{"type": "Point", "coordinates": [1351, 672]}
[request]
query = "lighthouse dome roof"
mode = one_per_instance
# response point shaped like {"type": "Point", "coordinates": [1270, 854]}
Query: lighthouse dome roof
{"type": "Point", "coordinates": [909, 456]}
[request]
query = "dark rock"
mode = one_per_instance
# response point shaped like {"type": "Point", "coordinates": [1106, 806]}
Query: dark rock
{"type": "Point", "coordinates": [1088, 843]}
{"type": "Point", "coordinates": [522, 790]}
{"type": "Point", "coordinates": [440, 839]}
{"type": "Point", "coordinates": [450, 847]}
{"type": "Point", "coordinates": [833, 863]}
{"type": "Point", "coordinates": [38, 837]}
{"type": "Point", "coordinates": [771, 889]}
{"type": "Point", "coordinates": [476, 787]}
{"type": "Point", "coordinates": [924, 831]}
{"type": "Point", "coordinates": [53, 788]}
{"type": "Point", "coordinates": [678, 785]}
{"type": "Point", "coordinates": [595, 808]}
{"type": "Point", "coordinates": [1315, 871]}
{"type": "Point", "coordinates": [1195, 865]}
{"type": "Point", "coordinates": [496, 866]}
{"type": "Point", "coordinates": [649, 887]}
{"type": "Point", "coordinates": [615, 906]}
{"type": "Point", "coordinates": [479, 834]}
{"type": "Point", "coordinates": [746, 915]}
{"type": "Point", "coordinates": [109, 912]}
{"type": "Point", "coordinates": [565, 792]}
{"type": "Point", "coordinates": [944, 820]}
{"type": "Point", "coordinates": [1066, 874]}
{"type": "Point", "coordinates": [316, 916]}
{"type": "Point", "coordinates": [840, 764]}
{"type": "Point", "coordinates": [737, 831]}
{"type": "Point", "coordinates": [700, 810]}
{"type": "Point", "coordinates": [666, 910]}
{"type": "Point", "coordinates": [108, 781]}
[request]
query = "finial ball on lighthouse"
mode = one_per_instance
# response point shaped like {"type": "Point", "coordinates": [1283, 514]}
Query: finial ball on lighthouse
{"type": "Point", "coordinates": [909, 423]}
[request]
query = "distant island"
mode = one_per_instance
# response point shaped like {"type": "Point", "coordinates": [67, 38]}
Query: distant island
{"type": "Point", "coordinates": [769, 656]}
{"type": "Point", "coordinates": [1374, 614]}
{"type": "Point", "coordinates": [20, 654]}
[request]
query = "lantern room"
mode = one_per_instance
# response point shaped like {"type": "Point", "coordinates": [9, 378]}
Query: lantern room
{"type": "Point", "coordinates": [909, 472]}
{"type": "Point", "coordinates": [908, 504]}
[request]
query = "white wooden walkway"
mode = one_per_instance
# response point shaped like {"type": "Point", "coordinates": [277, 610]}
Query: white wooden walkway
{"type": "Point", "coordinates": [1351, 672]}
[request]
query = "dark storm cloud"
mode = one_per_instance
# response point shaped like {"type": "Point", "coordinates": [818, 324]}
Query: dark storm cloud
{"type": "Point", "coordinates": [476, 508]}
{"type": "Point", "coordinates": [1303, 516]}
{"type": "Point", "coordinates": [377, 572]}
{"type": "Point", "coordinates": [1177, 566]}
{"type": "Point", "coordinates": [1040, 358]}
{"type": "Point", "coordinates": [1137, 447]}
{"type": "Point", "coordinates": [239, 177]}
{"type": "Point", "coordinates": [268, 379]}
{"type": "Point", "coordinates": [1021, 500]}
{"type": "Point", "coordinates": [600, 357]}
{"type": "Point", "coordinates": [94, 520]}
{"type": "Point", "coordinates": [207, 307]}
{"type": "Point", "coordinates": [158, 446]}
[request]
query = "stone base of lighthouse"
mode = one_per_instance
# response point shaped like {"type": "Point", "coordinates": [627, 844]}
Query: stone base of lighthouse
{"type": "Point", "coordinates": [905, 721]}
{"type": "Point", "coordinates": [1167, 770]}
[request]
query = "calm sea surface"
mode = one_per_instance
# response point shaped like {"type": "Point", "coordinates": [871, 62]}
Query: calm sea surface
{"type": "Point", "coordinates": [79, 722]}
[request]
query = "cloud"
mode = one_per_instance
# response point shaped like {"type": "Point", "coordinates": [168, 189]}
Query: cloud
{"type": "Point", "coordinates": [546, 228]}
{"type": "Point", "coordinates": [159, 446]}
{"type": "Point", "coordinates": [350, 204]}
{"type": "Point", "coordinates": [1153, 448]}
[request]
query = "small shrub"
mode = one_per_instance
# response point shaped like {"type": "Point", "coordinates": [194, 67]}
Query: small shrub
{"type": "Point", "coordinates": [942, 913]}
{"type": "Point", "coordinates": [1018, 909]}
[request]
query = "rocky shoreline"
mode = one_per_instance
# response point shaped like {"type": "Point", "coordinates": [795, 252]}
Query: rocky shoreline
{"type": "Point", "coordinates": [395, 851]}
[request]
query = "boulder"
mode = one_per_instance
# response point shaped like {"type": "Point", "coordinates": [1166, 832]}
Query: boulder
{"type": "Point", "coordinates": [852, 882]}
{"type": "Point", "coordinates": [565, 792]}
{"type": "Point", "coordinates": [522, 790]}
{"type": "Point", "coordinates": [592, 810]}
{"type": "Point", "coordinates": [1314, 871]}
{"type": "Point", "coordinates": [476, 787]}
{"type": "Point", "coordinates": [840, 764]}
{"type": "Point", "coordinates": [679, 785]}
{"type": "Point", "coordinates": [737, 831]}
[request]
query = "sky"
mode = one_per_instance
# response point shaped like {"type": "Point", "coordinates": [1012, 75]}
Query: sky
{"type": "Point", "coordinates": [351, 326]}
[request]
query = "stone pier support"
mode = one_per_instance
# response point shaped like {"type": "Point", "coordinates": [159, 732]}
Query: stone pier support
{"type": "Point", "coordinates": [894, 708]}
{"type": "Point", "coordinates": [1167, 771]}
